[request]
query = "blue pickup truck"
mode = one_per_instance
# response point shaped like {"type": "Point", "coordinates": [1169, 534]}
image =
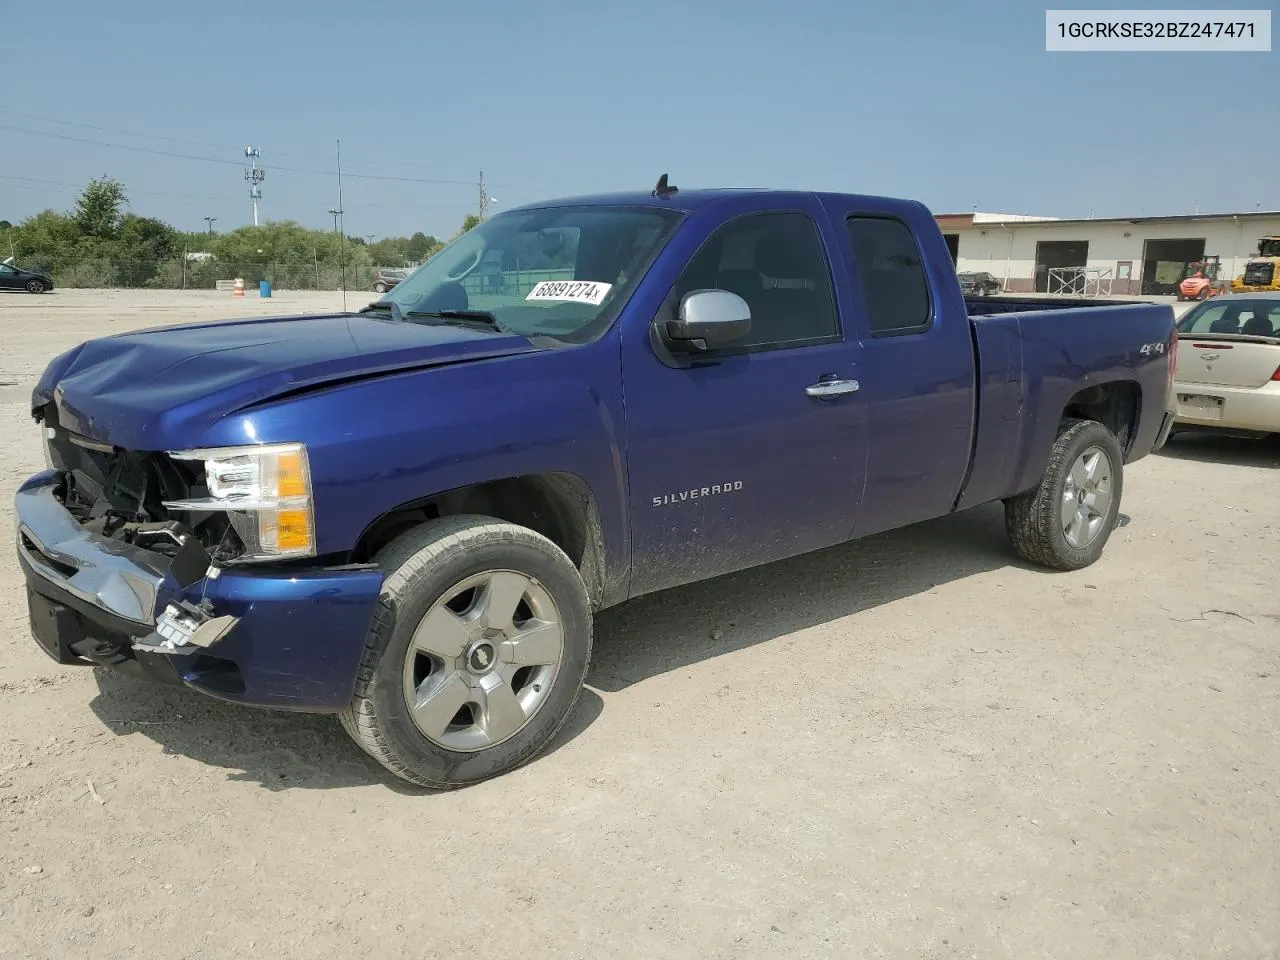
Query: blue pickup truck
{"type": "Point", "coordinates": [407, 515]}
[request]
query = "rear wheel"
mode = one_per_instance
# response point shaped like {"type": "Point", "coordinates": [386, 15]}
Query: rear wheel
{"type": "Point", "coordinates": [35, 286]}
{"type": "Point", "coordinates": [1065, 522]}
{"type": "Point", "coordinates": [379, 287]}
{"type": "Point", "coordinates": [1204, 294]}
{"type": "Point", "coordinates": [476, 655]}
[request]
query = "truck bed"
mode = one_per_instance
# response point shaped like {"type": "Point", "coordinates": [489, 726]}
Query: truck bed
{"type": "Point", "coordinates": [1039, 356]}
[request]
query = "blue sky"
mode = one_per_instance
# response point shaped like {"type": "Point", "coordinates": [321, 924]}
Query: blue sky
{"type": "Point", "coordinates": [955, 104]}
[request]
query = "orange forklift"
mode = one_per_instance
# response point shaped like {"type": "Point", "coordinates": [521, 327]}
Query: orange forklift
{"type": "Point", "coordinates": [1201, 280]}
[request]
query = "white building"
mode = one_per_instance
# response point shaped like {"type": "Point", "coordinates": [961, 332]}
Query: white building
{"type": "Point", "coordinates": [1127, 255]}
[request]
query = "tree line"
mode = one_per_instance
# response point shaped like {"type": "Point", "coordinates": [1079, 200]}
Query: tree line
{"type": "Point", "coordinates": [100, 243]}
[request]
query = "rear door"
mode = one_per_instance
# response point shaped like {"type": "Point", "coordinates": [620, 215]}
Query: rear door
{"type": "Point", "coordinates": [735, 462]}
{"type": "Point", "coordinates": [917, 361]}
{"type": "Point", "coordinates": [1230, 343]}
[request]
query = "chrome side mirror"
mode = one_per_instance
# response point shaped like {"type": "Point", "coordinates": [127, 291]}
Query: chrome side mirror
{"type": "Point", "coordinates": [708, 320]}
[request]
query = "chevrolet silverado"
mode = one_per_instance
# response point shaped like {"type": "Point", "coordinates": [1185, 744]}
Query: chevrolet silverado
{"type": "Point", "coordinates": [407, 515]}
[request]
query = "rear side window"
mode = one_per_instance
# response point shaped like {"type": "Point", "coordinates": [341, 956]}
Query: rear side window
{"type": "Point", "coordinates": [891, 271]}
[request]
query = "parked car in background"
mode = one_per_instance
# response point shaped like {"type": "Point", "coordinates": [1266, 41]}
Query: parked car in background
{"type": "Point", "coordinates": [699, 383]}
{"type": "Point", "coordinates": [981, 284]}
{"type": "Point", "coordinates": [386, 277]}
{"type": "Point", "coordinates": [1228, 375]}
{"type": "Point", "coordinates": [15, 278]}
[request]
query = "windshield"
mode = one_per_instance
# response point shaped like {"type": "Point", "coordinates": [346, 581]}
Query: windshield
{"type": "Point", "coordinates": [1269, 248]}
{"type": "Point", "coordinates": [554, 271]}
{"type": "Point", "coordinates": [1252, 317]}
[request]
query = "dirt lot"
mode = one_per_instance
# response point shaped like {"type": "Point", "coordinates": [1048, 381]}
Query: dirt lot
{"type": "Point", "coordinates": [910, 747]}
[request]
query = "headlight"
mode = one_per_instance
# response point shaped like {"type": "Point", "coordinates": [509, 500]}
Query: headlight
{"type": "Point", "coordinates": [266, 493]}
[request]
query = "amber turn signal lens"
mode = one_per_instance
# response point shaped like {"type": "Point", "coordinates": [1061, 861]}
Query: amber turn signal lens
{"type": "Point", "coordinates": [293, 530]}
{"type": "Point", "coordinates": [291, 475]}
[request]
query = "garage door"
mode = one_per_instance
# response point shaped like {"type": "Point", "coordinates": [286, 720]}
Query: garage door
{"type": "Point", "coordinates": [1052, 254]}
{"type": "Point", "coordinates": [1164, 264]}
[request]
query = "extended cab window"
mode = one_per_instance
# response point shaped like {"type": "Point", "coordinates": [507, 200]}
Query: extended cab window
{"type": "Point", "coordinates": [554, 271]}
{"type": "Point", "coordinates": [774, 261]}
{"type": "Point", "coordinates": [891, 271]}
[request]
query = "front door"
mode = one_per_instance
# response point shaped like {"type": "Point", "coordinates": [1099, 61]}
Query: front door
{"type": "Point", "coordinates": [9, 279]}
{"type": "Point", "coordinates": [736, 462]}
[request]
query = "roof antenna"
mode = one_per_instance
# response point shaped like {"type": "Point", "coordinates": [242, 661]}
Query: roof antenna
{"type": "Point", "coordinates": [662, 189]}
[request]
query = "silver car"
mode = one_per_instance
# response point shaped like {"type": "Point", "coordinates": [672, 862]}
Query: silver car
{"type": "Point", "coordinates": [1228, 365]}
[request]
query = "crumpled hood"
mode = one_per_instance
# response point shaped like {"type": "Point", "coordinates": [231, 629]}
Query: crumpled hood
{"type": "Point", "coordinates": [161, 389]}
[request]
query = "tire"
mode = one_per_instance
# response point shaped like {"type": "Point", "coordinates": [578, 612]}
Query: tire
{"type": "Point", "coordinates": [1037, 521]}
{"type": "Point", "coordinates": [424, 567]}
{"type": "Point", "coordinates": [35, 286]}
{"type": "Point", "coordinates": [1204, 294]}
{"type": "Point", "coordinates": [379, 287]}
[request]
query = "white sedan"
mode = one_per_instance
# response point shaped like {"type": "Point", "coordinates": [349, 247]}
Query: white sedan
{"type": "Point", "coordinates": [1228, 365]}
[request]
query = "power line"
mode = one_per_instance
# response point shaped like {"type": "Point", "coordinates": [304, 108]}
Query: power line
{"type": "Point", "coordinates": [127, 133]}
{"type": "Point", "coordinates": [235, 163]}
{"type": "Point", "coordinates": [225, 198]}
{"type": "Point", "coordinates": [118, 146]}
{"type": "Point", "coordinates": [128, 190]}
{"type": "Point", "coordinates": [156, 136]}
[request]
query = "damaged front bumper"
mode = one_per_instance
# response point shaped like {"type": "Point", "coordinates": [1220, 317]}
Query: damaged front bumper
{"type": "Point", "coordinates": [185, 627]}
{"type": "Point", "coordinates": [286, 638]}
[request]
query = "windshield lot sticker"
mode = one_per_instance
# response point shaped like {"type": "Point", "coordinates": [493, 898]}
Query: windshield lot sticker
{"type": "Point", "coordinates": [579, 291]}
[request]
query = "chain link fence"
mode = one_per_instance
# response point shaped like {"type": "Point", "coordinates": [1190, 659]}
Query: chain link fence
{"type": "Point", "coordinates": [184, 274]}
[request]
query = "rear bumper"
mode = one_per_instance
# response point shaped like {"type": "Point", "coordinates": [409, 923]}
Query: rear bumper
{"type": "Point", "coordinates": [298, 634]}
{"type": "Point", "coordinates": [1253, 409]}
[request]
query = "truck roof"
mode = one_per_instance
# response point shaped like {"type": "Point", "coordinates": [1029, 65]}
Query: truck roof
{"type": "Point", "coordinates": [690, 200]}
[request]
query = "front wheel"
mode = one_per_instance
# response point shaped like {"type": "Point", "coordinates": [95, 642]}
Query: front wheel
{"type": "Point", "coordinates": [476, 655]}
{"type": "Point", "coordinates": [1065, 522]}
{"type": "Point", "coordinates": [379, 287]}
{"type": "Point", "coordinates": [35, 286]}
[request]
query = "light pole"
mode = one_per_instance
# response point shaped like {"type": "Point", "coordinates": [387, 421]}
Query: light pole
{"type": "Point", "coordinates": [209, 221]}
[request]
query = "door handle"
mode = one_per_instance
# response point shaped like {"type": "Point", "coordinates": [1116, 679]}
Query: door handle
{"type": "Point", "coordinates": [831, 388]}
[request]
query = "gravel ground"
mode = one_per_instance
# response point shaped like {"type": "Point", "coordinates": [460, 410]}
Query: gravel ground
{"type": "Point", "coordinates": [914, 746]}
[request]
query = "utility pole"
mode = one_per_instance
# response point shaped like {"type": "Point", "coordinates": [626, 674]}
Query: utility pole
{"type": "Point", "coordinates": [484, 197]}
{"type": "Point", "coordinates": [209, 221]}
{"type": "Point", "coordinates": [255, 175]}
{"type": "Point", "coordinates": [336, 214]}
{"type": "Point", "coordinates": [342, 228]}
